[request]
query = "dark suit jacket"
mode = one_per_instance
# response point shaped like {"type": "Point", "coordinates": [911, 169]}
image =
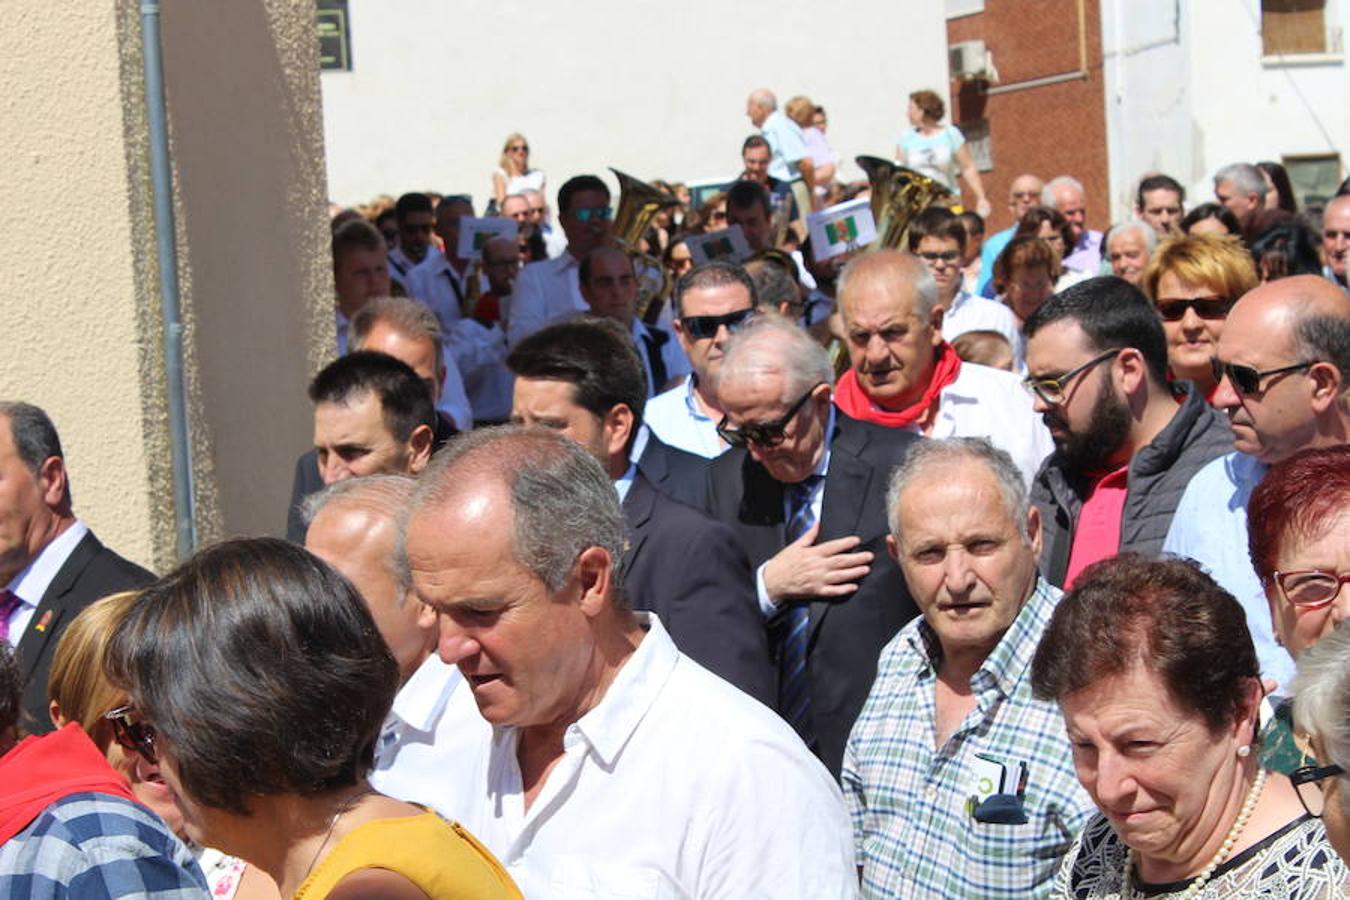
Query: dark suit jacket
{"type": "Point", "coordinates": [90, 572]}
{"type": "Point", "coordinates": [847, 635]}
{"type": "Point", "coordinates": [676, 473]}
{"type": "Point", "coordinates": [691, 571]}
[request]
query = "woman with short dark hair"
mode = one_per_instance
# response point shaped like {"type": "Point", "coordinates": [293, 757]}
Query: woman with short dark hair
{"type": "Point", "coordinates": [1153, 667]}
{"type": "Point", "coordinates": [259, 683]}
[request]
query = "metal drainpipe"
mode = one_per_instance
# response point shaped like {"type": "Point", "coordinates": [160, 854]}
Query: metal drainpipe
{"type": "Point", "coordinates": [161, 178]}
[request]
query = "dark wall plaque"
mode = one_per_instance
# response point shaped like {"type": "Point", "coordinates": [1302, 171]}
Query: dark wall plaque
{"type": "Point", "coordinates": [335, 38]}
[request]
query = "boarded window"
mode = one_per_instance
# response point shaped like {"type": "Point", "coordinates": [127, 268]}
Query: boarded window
{"type": "Point", "coordinates": [1293, 26]}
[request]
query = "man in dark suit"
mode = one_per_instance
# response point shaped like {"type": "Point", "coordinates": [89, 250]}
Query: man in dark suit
{"type": "Point", "coordinates": [407, 331]}
{"type": "Point", "coordinates": [583, 378]}
{"type": "Point", "coordinates": [804, 489]}
{"type": "Point", "coordinates": [51, 565]}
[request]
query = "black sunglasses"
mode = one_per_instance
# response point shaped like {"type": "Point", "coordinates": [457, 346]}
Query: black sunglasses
{"type": "Point", "coordinates": [1205, 308]}
{"type": "Point", "coordinates": [763, 434]}
{"type": "Point", "coordinates": [138, 737]}
{"type": "Point", "coordinates": [1245, 379]}
{"type": "Point", "coordinates": [700, 327]}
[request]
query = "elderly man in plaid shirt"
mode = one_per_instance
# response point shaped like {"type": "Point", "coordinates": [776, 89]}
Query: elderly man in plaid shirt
{"type": "Point", "coordinates": [959, 783]}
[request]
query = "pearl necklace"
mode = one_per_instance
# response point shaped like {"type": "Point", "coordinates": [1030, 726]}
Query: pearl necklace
{"type": "Point", "coordinates": [1208, 871]}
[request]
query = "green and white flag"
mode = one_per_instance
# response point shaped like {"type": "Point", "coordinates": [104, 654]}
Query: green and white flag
{"type": "Point", "coordinates": [841, 228]}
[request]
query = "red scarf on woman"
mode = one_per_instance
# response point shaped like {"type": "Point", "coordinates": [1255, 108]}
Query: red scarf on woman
{"type": "Point", "coordinates": [43, 769]}
{"type": "Point", "coordinates": [850, 397]}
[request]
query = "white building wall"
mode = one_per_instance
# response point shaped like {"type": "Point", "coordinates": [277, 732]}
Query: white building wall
{"type": "Point", "coordinates": [652, 88]}
{"type": "Point", "coordinates": [1187, 92]}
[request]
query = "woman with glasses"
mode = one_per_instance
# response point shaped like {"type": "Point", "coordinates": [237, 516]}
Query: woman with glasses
{"type": "Point", "coordinates": [1322, 711]}
{"type": "Point", "coordinates": [1299, 540]}
{"type": "Point", "coordinates": [513, 174]}
{"type": "Point", "coordinates": [1163, 720]}
{"type": "Point", "coordinates": [259, 683]}
{"type": "Point", "coordinates": [1193, 281]}
{"type": "Point", "coordinates": [78, 691]}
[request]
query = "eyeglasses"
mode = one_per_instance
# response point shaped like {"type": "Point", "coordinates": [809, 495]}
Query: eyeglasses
{"type": "Point", "coordinates": [763, 434]}
{"type": "Point", "coordinates": [719, 215]}
{"type": "Point", "coordinates": [138, 737]}
{"type": "Point", "coordinates": [600, 213]}
{"type": "Point", "coordinates": [519, 148]}
{"type": "Point", "coordinates": [1026, 195]}
{"type": "Point", "coordinates": [947, 256]}
{"type": "Point", "coordinates": [1205, 308]}
{"type": "Point", "coordinates": [1332, 234]}
{"type": "Point", "coordinates": [701, 327]}
{"type": "Point", "coordinates": [1305, 781]}
{"type": "Point", "coordinates": [1245, 379]}
{"type": "Point", "coordinates": [1051, 390]}
{"type": "Point", "coordinates": [1311, 588]}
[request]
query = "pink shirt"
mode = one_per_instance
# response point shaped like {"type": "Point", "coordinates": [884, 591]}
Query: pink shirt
{"type": "Point", "coordinates": [1098, 533]}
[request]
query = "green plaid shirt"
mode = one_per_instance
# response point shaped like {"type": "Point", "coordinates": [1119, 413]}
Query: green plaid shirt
{"type": "Point", "coordinates": [912, 806]}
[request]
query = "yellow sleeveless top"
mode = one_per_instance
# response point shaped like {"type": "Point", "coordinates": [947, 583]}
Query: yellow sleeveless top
{"type": "Point", "coordinates": [440, 857]}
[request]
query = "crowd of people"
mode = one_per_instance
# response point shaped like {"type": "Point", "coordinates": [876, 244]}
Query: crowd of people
{"type": "Point", "coordinates": [1006, 565]}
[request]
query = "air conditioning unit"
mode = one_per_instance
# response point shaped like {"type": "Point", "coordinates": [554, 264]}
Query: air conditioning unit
{"type": "Point", "coordinates": [968, 61]}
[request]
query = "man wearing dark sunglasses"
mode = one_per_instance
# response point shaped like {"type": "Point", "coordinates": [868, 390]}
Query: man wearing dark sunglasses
{"type": "Point", "coordinates": [550, 290]}
{"type": "Point", "coordinates": [1283, 366]}
{"type": "Point", "coordinates": [803, 489]}
{"type": "Point", "coordinates": [1125, 442]}
{"type": "Point", "coordinates": [710, 303]}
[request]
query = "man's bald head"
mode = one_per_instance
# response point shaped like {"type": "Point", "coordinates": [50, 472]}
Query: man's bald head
{"type": "Point", "coordinates": [1024, 194]}
{"type": "Point", "coordinates": [1295, 334]}
{"type": "Point", "coordinates": [900, 277]}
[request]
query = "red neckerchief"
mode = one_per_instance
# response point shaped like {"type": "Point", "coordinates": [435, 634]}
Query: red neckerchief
{"type": "Point", "coordinates": [853, 400]}
{"type": "Point", "coordinates": [43, 769]}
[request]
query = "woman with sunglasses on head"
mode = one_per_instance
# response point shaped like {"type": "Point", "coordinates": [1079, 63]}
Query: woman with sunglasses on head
{"type": "Point", "coordinates": [1193, 281]}
{"type": "Point", "coordinates": [1299, 541]}
{"type": "Point", "coordinates": [259, 683]}
{"type": "Point", "coordinates": [78, 691]}
{"type": "Point", "coordinates": [1163, 719]}
{"type": "Point", "coordinates": [513, 174]}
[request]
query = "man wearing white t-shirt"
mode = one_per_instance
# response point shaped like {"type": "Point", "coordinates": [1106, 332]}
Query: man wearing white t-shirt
{"type": "Point", "coordinates": [616, 765]}
{"type": "Point", "coordinates": [905, 375]}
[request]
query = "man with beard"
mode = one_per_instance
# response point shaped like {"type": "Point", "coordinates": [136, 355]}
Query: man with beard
{"type": "Point", "coordinates": [1126, 440]}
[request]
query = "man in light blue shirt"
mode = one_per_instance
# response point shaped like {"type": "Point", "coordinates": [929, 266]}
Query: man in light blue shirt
{"type": "Point", "coordinates": [1284, 357]}
{"type": "Point", "coordinates": [791, 160]}
{"type": "Point", "coordinates": [1024, 194]}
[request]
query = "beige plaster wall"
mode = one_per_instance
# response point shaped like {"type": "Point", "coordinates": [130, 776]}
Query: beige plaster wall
{"type": "Point", "coordinates": [79, 289]}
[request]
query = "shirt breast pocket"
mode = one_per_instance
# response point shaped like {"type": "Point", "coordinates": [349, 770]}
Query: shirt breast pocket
{"type": "Point", "coordinates": [578, 879]}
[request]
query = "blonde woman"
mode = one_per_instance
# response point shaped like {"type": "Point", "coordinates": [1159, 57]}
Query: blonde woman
{"type": "Point", "coordinates": [513, 174]}
{"type": "Point", "coordinates": [78, 691]}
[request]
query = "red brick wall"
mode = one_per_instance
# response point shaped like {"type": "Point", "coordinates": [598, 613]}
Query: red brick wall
{"type": "Point", "coordinates": [1057, 129]}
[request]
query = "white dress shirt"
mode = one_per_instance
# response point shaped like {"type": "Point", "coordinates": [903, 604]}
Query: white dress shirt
{"type": "Point", "coordinates": [991, 403]}
{"type": "Point", "coordinates": [545, 292]}
{"type": "Point", "coordinates": [476, 352]}
{"type": "Point", "coordinates": [433, 722]}
{"type": "Point", "coordinates": [970, 313]}
{"type": "Point", "coordinates": [401, 264]}
{"type": "Point", "coordinates": [675, 418]}
{"type": "Point", "coordinates": [676, 785]}
{"type": "Point", "coordinates": [33, 579]}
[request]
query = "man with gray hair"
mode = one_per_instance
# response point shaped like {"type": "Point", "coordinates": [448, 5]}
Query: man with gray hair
{"type": "Point", "coordinates": [960, 783]}
{"type": "Point", "coordinates": [710, 302]}
{"type": "Point", "coordinates": [801, 488]}
{"type": "Point", "coordinates": [1242, 188]}
{"type": "Point", "coordinates": [614, 761]}
{"type": "Point", "coordinates": [905, 376]}
{"type": "Point", "coordinates": [354, 527]}
{"type": "Point", "coordinates": [1128, 248]}
{"type": "Point", "coordinates": [51, 565]}
{"type": "Point", "coordinates": [1066, 196]}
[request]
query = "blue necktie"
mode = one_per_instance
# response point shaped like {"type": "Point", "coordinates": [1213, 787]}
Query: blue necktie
{"type": "Point", "coordinates": [794, 626]}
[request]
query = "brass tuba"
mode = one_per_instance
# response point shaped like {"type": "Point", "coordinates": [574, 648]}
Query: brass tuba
{"type": "Point", "coordinates": [639, 204]}
{"type": "Point", "coordinates": [898, 195]}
